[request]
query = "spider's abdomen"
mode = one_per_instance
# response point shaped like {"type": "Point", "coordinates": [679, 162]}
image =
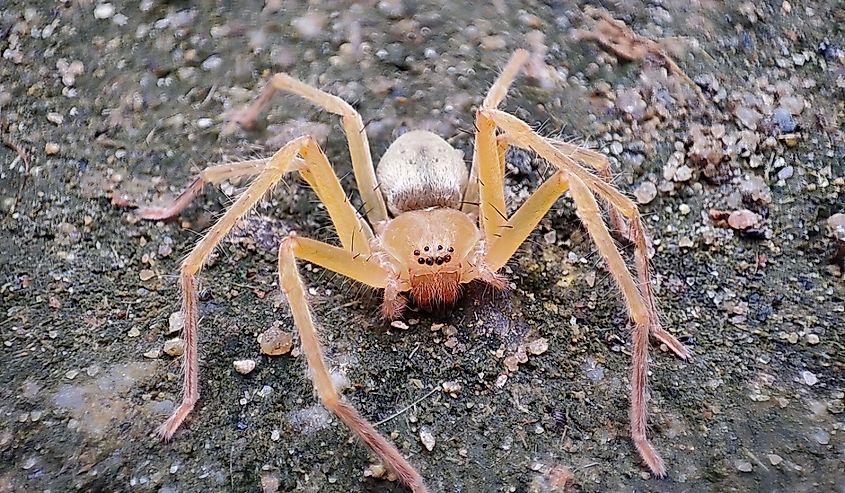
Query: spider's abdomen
{"type": "Point", "coordinates": [421, 170]}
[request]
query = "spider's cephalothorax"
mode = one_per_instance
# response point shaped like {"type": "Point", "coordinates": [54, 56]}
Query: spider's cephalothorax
{"type": "Point", "coordinates": [430, 227]}
{"type": "Point", "coordinates": [431, 244]}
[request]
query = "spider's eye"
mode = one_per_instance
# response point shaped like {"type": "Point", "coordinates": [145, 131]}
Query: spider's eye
{"type": "Point", "coordinates": [438, 260]}
{"type": "Point", "coordinates": [447, 258]}
{"type": "Point", "coordinates": [416, 253]}
{"type": "Point", "coordinates": [451, 250]}
{"type": "Point", "coordinates": [440, 247]}
{"type": "Point", "coordinates": [426, 248]}
{"type": "Point", "coordinates": [429, 261]}
{"type": "Point", "coordinates": [421, 260]}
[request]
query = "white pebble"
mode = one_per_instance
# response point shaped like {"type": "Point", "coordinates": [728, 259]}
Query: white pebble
{"type": "Point", "coordinates": [244, 366]}
{"type": "Point", "coordinates": [809, 378]}
{"type": "Point", "coordinates": [646, 192]}
{"type": "Point", "coordinates": [103, 11]}
{"type": "Point", "coordinates": [427, 438]}
{"type": "Point", "coordinates": [176, 322]}
{"type": "Point", "coordinates": [743, 465]}
{"type": "Point", "coordinates": [174, 347]}
{"type": "Point", "coordinates": [205, 123]}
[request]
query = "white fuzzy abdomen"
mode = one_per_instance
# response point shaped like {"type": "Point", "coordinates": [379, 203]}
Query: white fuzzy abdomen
{"type": "Point", "coordinates": [421, 170]}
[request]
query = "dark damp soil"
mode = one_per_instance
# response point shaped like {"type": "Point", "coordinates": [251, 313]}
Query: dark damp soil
{"type": "Point", "coordinates": [106, 106]}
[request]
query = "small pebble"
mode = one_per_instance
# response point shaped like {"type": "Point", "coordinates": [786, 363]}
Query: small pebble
{"type": "Point", "coordinates": [451, 388]}
{"type": "Point", "coordinates": [616, 148]}
{"type": "Point", "coordinates": [134, 332]}
{"type": "Point", "coordinates": [211, 63]}
{"type": "Point", "coordinates": [244, 366]}
{"type": "Point", "coordinates": [812, 339]}
{"type": "Point", "coordinates": [821, 436]}
{"type": "Point", "coordinates": [684, 173]}
{"type": "Point", "coordinates": [809, 378]}
{"type": "Point", "coordinates": [427, 438]}
{"type": "Point", "coordinates": [538, 346]}
{"type": "Point", "coordinates": [153, 353]}
{"type": "Point", "coordinates": [275, 342]}
{"type": "Point", "coordinates": [786, 173]}
{"type": "Point", "coordinates": [146, 274]}
{"type": "Point", "coordinates": [398, 324]}
{"type": "Point", "coordinates": [744, 219]}
{"type": "Point", "coordinates": [774, 459]}
{"type": "Point", "coordinates": [743, 465]}
{"type": "Point", "coordinates": [51, 148]}
{"type": "Point", "coordinates": [684, 209]}
{"type": "Point", "coordinates": [55, 118]}
{"type": "Point", "coordinates": [205, 123]}
{"type": "Point", "coordinates": [176, 322]}
{"type": "Point", "coordinates": [103, 11]}
{"type": "Point", "coordinates": [646, 192]}
{"type": "Point", "coordinates": [174, 347]}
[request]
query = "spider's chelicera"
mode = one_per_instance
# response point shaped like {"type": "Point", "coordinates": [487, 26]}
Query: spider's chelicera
{"type": "Point", "coordinates": [431, 226]}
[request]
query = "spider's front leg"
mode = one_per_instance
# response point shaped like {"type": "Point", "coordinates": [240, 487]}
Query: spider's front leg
{"type": "Point", "coordinates": [639, 299]}
{"type": "Point", "coordinates": [360, 269]}
{"type": "Point", "coordinates": [272, 172]}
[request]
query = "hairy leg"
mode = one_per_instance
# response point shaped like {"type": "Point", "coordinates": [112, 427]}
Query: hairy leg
{"type": "Point", "coordinates": [294, 289]}
{"type": "Point", "coordinates": [273, 171]}
{"type": "Point", "coordinates": [494, 97]}
{"type": "Point", "coordinates": [353, 125]}
{"type": "Point", "coordinates": [521, 135]}
{"type": "Point", "coordinates": [354, 233]}
{"type": "Point", "coordinates": [639, 299]}
{"type": "Point", "coordinates": [212, 175]}
{"type": "Point", "coordinates": [588, 210]}
{"type": "Point", "coordinates": [517, 228]}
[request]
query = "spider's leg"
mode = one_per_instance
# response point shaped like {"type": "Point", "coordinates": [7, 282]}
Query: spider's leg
{"type": "Point", "coordinates": [485, 135]}
{"type": "Point", "coordinates": [273, 171]}
{"type": "Point", "coordinates": [294, 289]}
{"type": "Point", "coordinates": [588, 210]}
{"type": "Point", "coordinates": [211, 175]}
{"type": "Point", "coordinates": [601, 164]}
{"type": "Point", "coordinates": [521, 134]}
{"type": "Point", "coordinates": [639, 299]}
{"type": "Point", "coordinates": [635, 234]}
{"type": "Point", "coordinates": [352, 230]}
{"type": "Point", "coordinates": [353, 125]}
{"type": "Point", "coordinates": [501, 246]}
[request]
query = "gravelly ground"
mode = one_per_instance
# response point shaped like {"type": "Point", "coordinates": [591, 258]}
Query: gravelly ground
{"type": "Point", "coordinates": [127, 103]}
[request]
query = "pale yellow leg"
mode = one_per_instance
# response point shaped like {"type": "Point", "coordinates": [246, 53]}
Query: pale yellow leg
{"type": "Point", "coordinates": [523, 136]}
{"type": "Point", "coordinates": [588, 211]}
{"type": "Point", "coordinates": [354, 233]}
{"type": "Point", "coordinates": [501, 248]}
{"type": "Point", "coordinates": [494, 98]}
{"type": "Point", "coordinates": [292, 285]}
{"type": "Point", "coordinates": [601, 164]}
{"type": "Point", "coordinates": [361, 268]}
{"type": "Point", "coordinates": [273, 171]}
{"type": "Point", "coordinates": [212, 175]}
{"type": "Point", "coordinates": [493, 213]}
{"type": "Point", "coordinates": [356, 137]}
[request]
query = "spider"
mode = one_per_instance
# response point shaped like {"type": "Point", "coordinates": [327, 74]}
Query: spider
{"type": "Point", "coordinates": [431, 225]}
